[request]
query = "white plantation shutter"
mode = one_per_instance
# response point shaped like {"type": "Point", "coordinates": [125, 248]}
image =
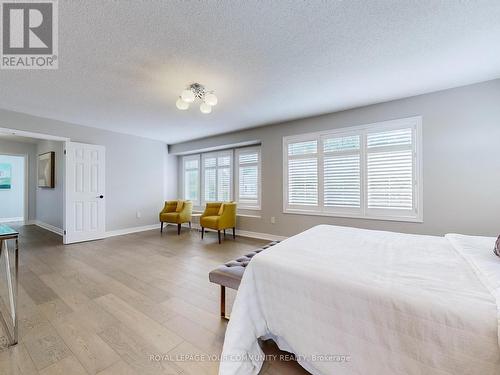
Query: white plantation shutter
{"type": "Point", "coordinates": [191, 167]}
{"type": "Point", "coordinates": [342, 185]}
{"type": "Point", "coordinates": [390, 164]}
{"type": "Point", "coordinates": [217, 176]}
{"type": "Point", "coordinates": [302, 172]}
{"type": "Point", "coordinates": [342, 172]}
{"type": "Point", "coordinates": [371, 171]}
{"type": "Point", "coordinates": [209, 177]}
{"type": "Point", "coordinates": [248, 177]}
{"type": "Point", "coordinates": [224, 176]}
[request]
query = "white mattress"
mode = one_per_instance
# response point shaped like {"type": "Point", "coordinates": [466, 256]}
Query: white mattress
{"type": "Point", "coordinates": [352, 301]}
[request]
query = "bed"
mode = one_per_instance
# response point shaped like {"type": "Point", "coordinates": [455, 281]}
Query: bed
{"type": "Point", "coordinates": [353, 301]}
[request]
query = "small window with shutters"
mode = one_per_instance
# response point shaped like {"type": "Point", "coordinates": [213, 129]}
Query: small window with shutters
{"type": "Point", "coordinates": [302, 176]}
{"type": "Point", "coordinates": [248, 178]}
{"type": "Point", "coordinates": [191, 167]}
{"type": "Point", "coordinates": [372, 171]}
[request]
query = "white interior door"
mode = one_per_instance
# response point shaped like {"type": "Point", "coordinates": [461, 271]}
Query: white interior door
{"type": "Point", "coordinates": [85, 204]}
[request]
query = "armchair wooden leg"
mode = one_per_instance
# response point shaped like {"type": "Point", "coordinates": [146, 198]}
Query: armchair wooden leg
{"type": "Point", "coordinates": [224, 234]}
{"type": "Point", "coordinates": [218, 233]}
{"type": "Point", "coordinates": [234, 233]}
{"type": "Point", "coordinates": [202, 232]}
{"type": "Point", "coordinates": [223, 302]}
{"type": "Point", "coordinates": [161, 229]}
{"type": "Point", "coordinates": [189, 225]}
{"type": "Point", "coordinates": [178, 229]}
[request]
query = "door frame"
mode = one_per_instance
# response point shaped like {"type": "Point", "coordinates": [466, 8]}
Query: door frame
{"type": "Point", "coordinates": [41, 136]}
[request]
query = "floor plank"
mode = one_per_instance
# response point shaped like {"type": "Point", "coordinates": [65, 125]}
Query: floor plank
{"type": "Point", "coordinates": [113, 306]}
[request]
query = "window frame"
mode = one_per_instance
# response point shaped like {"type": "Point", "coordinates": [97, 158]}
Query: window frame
{"type": "Point", "coordinates": [198, 194]}
{"type": "Point", "coordinates": [237, 153]}
{"type": "Point", "coordinates": [416, 214]}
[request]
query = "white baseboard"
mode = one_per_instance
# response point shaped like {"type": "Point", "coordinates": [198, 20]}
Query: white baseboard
{"type": "Point", "coordinates": [262, 236]}
{"type": "Point", "coordinates": [246, 233]}
{"type": "Point", "coordinates": [46, 226]}
{"type": "Point", "coordinates": [121, 232]}
{"type": "Point", "coordinates": [11, 219]}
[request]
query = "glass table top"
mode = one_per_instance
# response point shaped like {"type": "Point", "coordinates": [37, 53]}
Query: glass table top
{"type": "Point", "coordinates": [7, 231]}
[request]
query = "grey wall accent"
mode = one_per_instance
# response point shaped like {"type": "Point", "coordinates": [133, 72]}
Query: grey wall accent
{"type": "Point", "coordinates": [12, 200]}
{"type": "Point", "coordinates": [170, 176]}
{"type": "Point", "coordinates": [134, 167]}
{"type": "Point", "coordinates": [461, 162]}
{"type": "Point", "coordinates": [28, 149]}
{"type": "Point", "coordinates": [50, 202]}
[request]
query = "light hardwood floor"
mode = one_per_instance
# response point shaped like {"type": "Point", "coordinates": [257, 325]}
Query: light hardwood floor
{"type": "Point", "coordinates": [105, 307]}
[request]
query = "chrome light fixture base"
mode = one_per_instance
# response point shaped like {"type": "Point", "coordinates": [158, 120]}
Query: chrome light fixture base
{"type": "Point", "coordinates": [197, 91]}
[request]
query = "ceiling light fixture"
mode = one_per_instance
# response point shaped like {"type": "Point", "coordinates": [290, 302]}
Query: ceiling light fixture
{"type": "Point", "coordinates": [196, 91]}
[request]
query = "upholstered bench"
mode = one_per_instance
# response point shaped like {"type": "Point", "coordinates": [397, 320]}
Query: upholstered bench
{"type": "Point", "coordinates": [229, 274]}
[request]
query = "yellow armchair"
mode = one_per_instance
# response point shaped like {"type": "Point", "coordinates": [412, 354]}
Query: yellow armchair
{"type": "Point", "coordinates": [219, 216]}
{"type": "Point", "coordinates": [176, 212]}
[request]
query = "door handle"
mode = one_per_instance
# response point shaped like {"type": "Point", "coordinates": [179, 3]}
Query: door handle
{"type": "Point", "coordinates": [100, 196]}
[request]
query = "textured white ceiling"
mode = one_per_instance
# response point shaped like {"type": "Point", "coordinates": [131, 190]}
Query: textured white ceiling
{"type": "Point", "coordinates": [123, 63]}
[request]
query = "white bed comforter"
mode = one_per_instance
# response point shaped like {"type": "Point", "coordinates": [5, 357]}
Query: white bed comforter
{"type": "Point", "coordinates": [352, 301]}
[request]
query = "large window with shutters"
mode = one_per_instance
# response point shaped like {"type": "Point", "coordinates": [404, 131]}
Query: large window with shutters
{"type": "Point", "coordinates": [372, 171]}
{"type": "Point", "coordinates": [226, 175]}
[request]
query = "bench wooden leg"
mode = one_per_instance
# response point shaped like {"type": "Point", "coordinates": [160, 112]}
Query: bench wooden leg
{"type": "Point", "coordinates": [161, 229]}
{"type": "Point", "coordinates": [223, 303]}
{"type": "Point", "coordinates": [202, 232]}
{"type": "Point", "coordinates": [218, 233]}
{"type": "Point", "coordinates": [234, 233]}
{"type": "Point", "coordinates": [178, 229]}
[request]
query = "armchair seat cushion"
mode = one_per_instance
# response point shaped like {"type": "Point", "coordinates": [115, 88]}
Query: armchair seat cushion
{"type": "Point", "coordinates": [170, 217]}
{"type": "Point", "coordinates": [211, 222]}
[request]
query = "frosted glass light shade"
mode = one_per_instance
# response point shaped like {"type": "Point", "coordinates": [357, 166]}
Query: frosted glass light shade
{"type": "Point", "coordinates": [181, 104]}
{"type": "Point", "coordinates": [211, 99]}
{"type": "Point", "coordinates": [205, 108]}
{"type": "Point", "coordinates": [188, 96]}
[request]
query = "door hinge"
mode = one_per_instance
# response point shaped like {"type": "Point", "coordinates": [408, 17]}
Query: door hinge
{"type": "Point", "coordinates": [64, 232]}
{"type": "Point", "coordinates": [64, 152]}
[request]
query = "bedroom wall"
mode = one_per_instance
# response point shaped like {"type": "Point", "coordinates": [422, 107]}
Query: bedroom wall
{"type": "Point", "coordinates": [134, 167]}
{"type": "Point", "coordinates": [50, 202]}
{"type": "Point", "coordinates": [29, 150]}
{"type": "Point", "coordinates": [461, 131]}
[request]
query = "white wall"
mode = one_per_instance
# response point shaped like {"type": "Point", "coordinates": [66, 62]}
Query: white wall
{"type": "Point", "coordinates": [12, 200]}
{"type": "Point", "coordinates": [29, 150]}
{"type": "Point", "coordinates": [134, 167]}
{"type": "Point", "coordinates": [461, 162]}
{"type": "Point", "coordinates": [50, 202]}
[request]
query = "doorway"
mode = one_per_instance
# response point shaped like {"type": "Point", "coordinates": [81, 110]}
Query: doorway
{"type": "Point", "coordinates": [68, 180]}
{"type": "Point", "coordinates": [13, 185]}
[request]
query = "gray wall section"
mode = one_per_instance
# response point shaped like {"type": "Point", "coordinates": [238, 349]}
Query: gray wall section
{"type": "Point", "coordinates": [134, 167]}
{"type": "Point", "coordinates": [461, 162]}
{"type": "Point", "coordinates": [28, 149]}
{"type": "Point", "coordinates": [12, 200]}
{"type": "Point", "coordinates": [170, 176]}
{"type": "Point", "coordinates": [50, 202]}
